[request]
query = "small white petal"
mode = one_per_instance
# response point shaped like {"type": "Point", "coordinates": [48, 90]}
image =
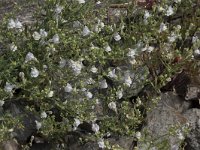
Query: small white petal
{"type": "Point", "coordinates": [88, 95]}
{"type": "Point", "coordinates": [13, 47]}
{"type": "Point", "coordinates": [34, 72]}
{"type": "Point", "coordinates": [43, 114]}
{"type": "Point", "coordinates": [50, 94]}
{"type": "Point", "coordinates": [107, 48]}
{"type": "Point", "coordinates": [101, 143]}
{"type": "Point", "coordinates": [68, 88]}
{"type": "Point", "coordinates": [56, 39]}
{"type": "Point", "coordinates": [95, 127]}
{"type": "Point", "coordinates": [30, 57]}
{"type": "Point", "coordinates": [117, 37]}
{"type": "Point", "coordinates": [81, 1]}
{"type": "Point", "coordinates": [36, 36]}
{"type": "Point", "coordinates": [103, 84]}
{"type": "Point", "coordinates": [1, 103]}
{"type": "Point", "coordinates": [112, 106]}
{"type": "Point", "coordinates": [86, 31]}
{"type": "Point", "coordinates": [38, 125]}
{"type": "Point", "coordinates": [94, 69]}
{"type": "Point", "coordinates": [9, 87]}
{"type": "Point", "coordinates": [138, 135]}
{"type": "Point", "coordinates": [11, 24]}
{"type": "Point", "coordinates": [170, 11]}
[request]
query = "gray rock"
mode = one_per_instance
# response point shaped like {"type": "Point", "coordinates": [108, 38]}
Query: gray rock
{"type": "Point", "coordinates": [168, 112]}
{"type": "Point", "coordinates": [9, 145]}
{"type": "Point", "coordinates": [193, 138]}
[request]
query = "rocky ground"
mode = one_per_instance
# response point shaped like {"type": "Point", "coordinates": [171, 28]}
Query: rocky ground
{"type": "Point", "coordinates": [175, 107]}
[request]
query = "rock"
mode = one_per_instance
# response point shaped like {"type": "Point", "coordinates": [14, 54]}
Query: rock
{"type": "Point", "coordinates": [160, 119]}
{"type": "Point", "coordinates": [193, 138]}
{"type": "Point", "coordinates": [9, 145]}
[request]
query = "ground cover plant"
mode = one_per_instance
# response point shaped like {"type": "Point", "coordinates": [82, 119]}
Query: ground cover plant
{"type": "Point", "coordinates": [78, 65]}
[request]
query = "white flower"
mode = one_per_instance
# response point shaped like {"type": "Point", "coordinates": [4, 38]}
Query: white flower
{"type": "Point", "coordinates": [101, 143]}
{"type": "Point", "coordinates": [150, 49]}
{"type": "Point", "coordinates": [43, 114]}
{"type": "Point", "coordinates": [11, 24]}
{"type": "Point", "coordinates": [119, 94]}
{"type": "Point", "coordinates": [103, 84]}
{"type": "Point", "coordinates": [58, 9]}
{"type": "Point", "coordinates": [9, 87]}
{"type": "Point", "coordinates": [177, 1]}
{"type": "Point", "coordinates": [1, 103]}
{"type": "Point", "coordinates": [13, 47]}
{"type": "Point", "coordinates": [197, 52]}
{"type": "Point", "coordinates": [117, 37]}
{"type": "Point", "coordinates": [90, 81]}
{"type": "Point", "coordinates": [180, 135]}
{"type": "Point", "coordinates": [77, 122]}
{"type": "Point", "coordinates": [112, 106]}
{"type": "Point", "coordinates": [163, 27]}
{"type": "Point", "coordinates": [172, 37]}
{"type": "Point", "coordinates": [131, 53]}
{"type": "Point", "coordinates": [18, 24]}
{"type": "Point", "coordinates": [138, 135]}
{"type": "Point", "coordinates": [195, 39]}
{"type": "Point", "coordinates": [62, 63]}
{"type": "Point", "coordinates": [43, 33]}
{"type": "Point", "coordinates": [36, 36]}
{"type": "Point", "coordinates": [98, 2]}
{"type": "Point", "coordinates": [81, 1]}
{"type": "Point", "coordinates": [68, 88]}
{"type": "Point", "coordinates": [128, 80]}
{"type": "Point", "coordinates": [76, 24]}
{"type": "Point", "coordinates": [50, 94]}
{"type": "Point", "coordinates": [107, 48]}
{"type": "Point", "coordinates": [34, 72]}
{"type": "Point", "coordinates": [169, 11]}
{"type": "Point", "coordinates": [30, 57]}
{"type": "Point", "coordinates": [56, 39]}
{"type": "Point", "coordinates": [94, 69]}
{"type": "Point", "coordinates": [146, 14]}
{"type": "Point", "coordinates": [112, 74]}
{"type": "Point", "coordinates": [76, 66]}
{"type": "Point", "coordinates": [38, 124]}
{"type": "Point", "coordinates": [88, 95]}
{"type": "Point", "coordinates": [86, 31]}
{"type": "Point", "coordinates": [95, 127]}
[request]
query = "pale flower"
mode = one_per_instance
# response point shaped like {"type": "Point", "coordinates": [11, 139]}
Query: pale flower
{"type": "Point", "coordinates": [197, 52]}
{"type": "Point", "coordinates": [76, 66]}
{"type": "Point", "coordinates": [43, 114]}
{"type": "Point", "coordinates": [9, 87]}
{"type": "Point", "coordinates": [68, 88]}
{"type": "Point", "coordinates": [76, 24]}
{"type": "Point", "coordinates": [43, 33]}
{"type": "Point", "coordinates": [1, 103]}
{"type": "Point", "coordinates": [50, 94]}
{"type": "Point", "coordinates": [131, 53]}
{"type": "Point", "coordinates": [30, 57]}
{"type": "Point", "coordinates": [101, 143]}
{"type": "Point", "coordinates": [77, 122]}
{"type": "Point", "coordinates": [95, 127]}
{"type": "Point", "coordinates": [107, 48]}
{"type": "Point", "coordinates": [117, 37]}
{"type": "Point", "coordinates": [11, 24]}
{"type": "Point", "coordinates": [34, 72]}
{"type": "Point", "coordinates": [81, 1]}
{"type": "Point", "coordinates": [98, 2]}
{"type": "Point", "coordinates": [128, 80]}
{"type": "Point", "coordinates": [112, 106]}
{"type": "Point", "coordinates": [138, 135]}
{"type": "Point", "coordinates": [180, 135]}
{"type": "Point", "coordinates": [94, 69]}
{"type": "Point", "coordinates": [163, 27]}
{"type": "Point", "coordinates": [38, 124]}
{"type": "Point", "coordinates": [58, 9]}
{"type": "Point", "coordinates": [86, 31]}
{"type": "Point", "coordinates": [88, 95]}
{"type": "Point", "coordinates": [169, 11]}
{"type": "Point", "coordinates": [36, 36]}
{"type": "Point", "coordinates": [13, 47]}
{"type": "Point", "coordinates": [172, 37]}
{"type": "Point", "coordinates": [119, 94]}
{"type": "Point", "coordinates": [62, 63]}
{"type": "Point", "coordinates": [112, 74]}
{"type": "Point", "coordinates": [103, 84]}
{"type": "Point", "coordinates": [195, 39]}
{"type": "Point", "coordinates": [146, 14]}
{"type": "Point", "coordinates": [18, 24]}
{"type": "Point", "coordinates": [56, 39]}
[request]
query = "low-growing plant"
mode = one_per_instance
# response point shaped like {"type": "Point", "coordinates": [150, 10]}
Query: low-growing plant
{"type": "Point", "coordinates": [77, 60]}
